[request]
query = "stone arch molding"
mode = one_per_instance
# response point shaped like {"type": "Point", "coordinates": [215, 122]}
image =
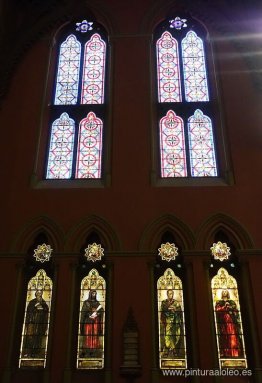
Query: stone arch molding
{"type": "Point", "coordinates": [152, 234]}
{"type": "Point", "coordinates": [80, 231]}
{"type": "Point", "coordinates": [25, 237]}
{"type": "Point", "coordinates": [231, 227]}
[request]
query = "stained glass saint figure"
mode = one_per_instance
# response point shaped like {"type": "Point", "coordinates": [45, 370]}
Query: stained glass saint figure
{"type": "Point", "coordinates": [91, 322]}
{"type": "Point", "coordinates": [36, 321]}
{"type": "Point", "coordinates": [172, 344]}
{"type": "Point", "coordinates": [228, 321]}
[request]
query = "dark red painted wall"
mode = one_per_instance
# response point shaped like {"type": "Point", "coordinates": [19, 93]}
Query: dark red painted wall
{"type": "Point", "coordinates": [130, 202]}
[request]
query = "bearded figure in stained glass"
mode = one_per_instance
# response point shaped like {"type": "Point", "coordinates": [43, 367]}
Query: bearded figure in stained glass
{"type": "Point", "coordinates": [36, 324]}
{"type": "Point", "coordinates": [172, 326]}
{"type": "Point", "coordinates": [229, 329]}
{"type": "Point", "coordinates": [91, 325]}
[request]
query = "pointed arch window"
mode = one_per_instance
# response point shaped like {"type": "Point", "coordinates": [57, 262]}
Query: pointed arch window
{"type": "Point", "coordinates": [33, 350]}
{"type": "Point", "coordinates": [184, 95]}
{"type": "Point", "coordinates": [228, 321]}
{"type": "Point", "coordinates": [171, 321]}
{"type": "Point", "coordinates": [172, 146]}
{"type": "Point", "coordinates": [172, 351]}
{"type": "Point", "coordinates": [91, 330]}
{"type": "Point", "coordinates": [77, 111]}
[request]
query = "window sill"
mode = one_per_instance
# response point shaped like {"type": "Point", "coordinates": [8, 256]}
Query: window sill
{"type": "Point", "coordinates": [69, 184]}
{"type": "Point", "coordinates": [192, 181]}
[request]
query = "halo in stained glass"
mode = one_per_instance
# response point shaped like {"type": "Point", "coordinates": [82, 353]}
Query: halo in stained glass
{"type": "Point", "coordinates": [33, 349]}
{"type": "Point", "coordinates": [228, 321]}
{"type": "Point", "coordinates": [91, 329]}
{"type": "Point", "coordinates": [171, 322]}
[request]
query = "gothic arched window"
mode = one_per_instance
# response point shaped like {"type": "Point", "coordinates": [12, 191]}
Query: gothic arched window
{"type": "Point", "coordinates": [170, 307]}
{"type": "Point", "coordinates": [35, 331]}
{"type": "Point", "coordinates": [91, 331]}
{"type": "Point", "coordinates": [77, 111]}
{"type": "Point", "coordinates": [228, 322]}
{"type": "Point", "coordinates": [171, 322]}
{"type": "Point", "coordinates": [184, 101]}
{"type": "Point", "coordinates": [226, 305]}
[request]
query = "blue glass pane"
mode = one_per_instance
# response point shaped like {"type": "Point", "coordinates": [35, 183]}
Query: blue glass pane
{"type": "Point", "coordinates": [68, 72]}
{"type": "Point", "coordinates": [61, 148]}
{"type": "Point", "coordinates": [195, 77]}
{"type": "Point", "coordinates": [201, 146]}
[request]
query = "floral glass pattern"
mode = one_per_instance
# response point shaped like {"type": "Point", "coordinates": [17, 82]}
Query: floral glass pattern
{"type": "Point", "coordinates": [228, 322]}
{"type": "Point", "coordinates": [35, 331]}
{"type": "Point", "coordinates": [91, 330]}
{"type": "Point", "coordinates": [171, 322]}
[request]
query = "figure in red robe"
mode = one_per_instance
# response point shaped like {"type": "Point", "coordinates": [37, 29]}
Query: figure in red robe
{"type": "Point", "coordinates": [228, 326]}
{"type": "Point", "coordinates": [91, 323]}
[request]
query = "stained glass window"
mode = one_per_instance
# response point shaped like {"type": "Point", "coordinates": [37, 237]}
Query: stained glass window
{"type": "Point", "coordinates": [91, 329]}
{"type": "Point", "coordinates": [194, 68]}
{"type": "Point", "coordinates": [94, 71]}
{"type": "Point", "coordinates": [89, 147]}
{"type": "Point", "coordinates": [68, 72]}
{"type": "Point", "coordinates": [201, 145]}
{"type": "Point", "coordinates": [171, 322]}
{"type": "Point", "coordinates": [172, 146]}
{"type": "Point", "coordinates": [169, 87]}
{"type": "Point", "coordinates": [61, 148]}
{"type": "Point", "coordinates": [76, 137]}
{"type": "Point", "coordinates": [36, 321]}
{"type": "Point", "coordinates": [228, 322]}
{"type": "Point", "coordinates": [188, 148]}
